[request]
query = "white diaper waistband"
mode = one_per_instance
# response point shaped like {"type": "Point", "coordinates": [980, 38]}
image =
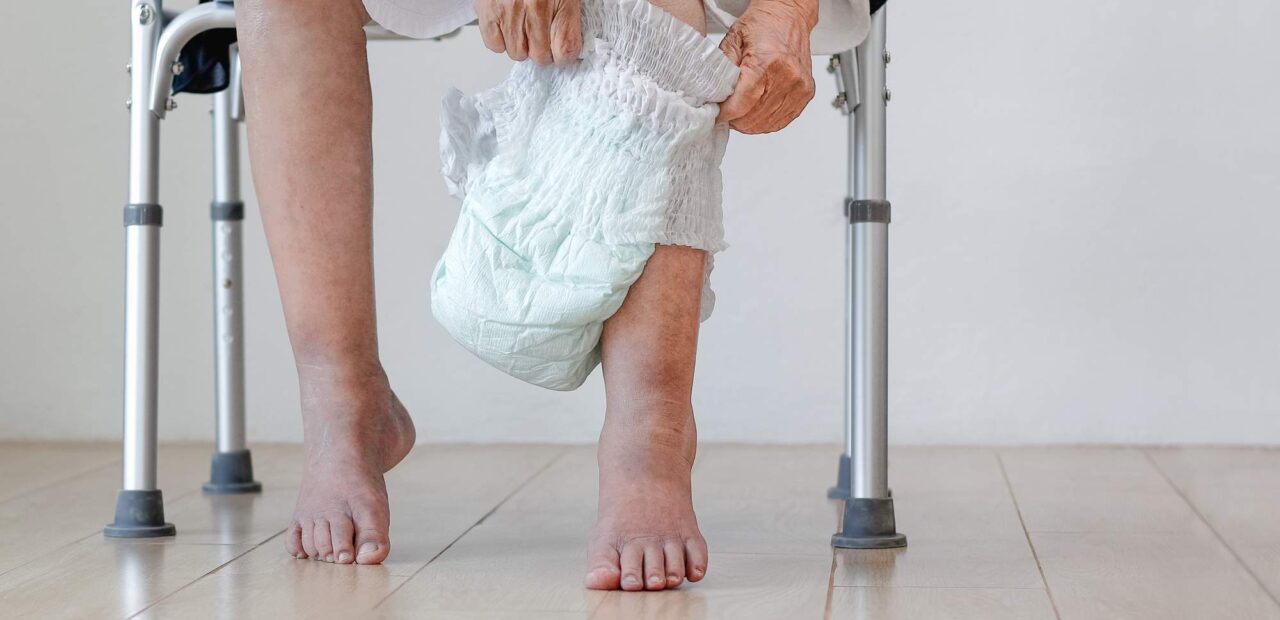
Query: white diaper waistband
{"type": "Point", "coordinates": [651, 44]}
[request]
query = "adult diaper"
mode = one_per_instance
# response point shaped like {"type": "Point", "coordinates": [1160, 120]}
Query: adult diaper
{"type": "Point", "coordinates": [569, 175]}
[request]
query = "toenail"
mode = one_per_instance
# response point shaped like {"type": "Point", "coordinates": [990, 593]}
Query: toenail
{"type": "Point", "coordinates": [630, 580]}
{"type": "Point", "coordinates": [344, 557]}
{"type": "Point", "coordinates": [328, 558]}
{"type": "Point", "coordinates": [368, 548]}
{"type": "Point", "coordinates": [697, 572]}
{"type": "Point", "coordinates": [673, 580]}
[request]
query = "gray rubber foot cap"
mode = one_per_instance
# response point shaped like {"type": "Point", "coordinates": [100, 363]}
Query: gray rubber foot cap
{"type": "Point", "coordinates": [868, 524]}
{"type": "Point", "coordinates": [231, 473]}
{"type": "Point", "coordinates": [139, 514]}
{"type": "Point", "coordinates": [841, 490]}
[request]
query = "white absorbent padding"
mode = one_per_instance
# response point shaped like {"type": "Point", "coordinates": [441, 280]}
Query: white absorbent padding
{"type": "Point", "coordinates": [569, 175]}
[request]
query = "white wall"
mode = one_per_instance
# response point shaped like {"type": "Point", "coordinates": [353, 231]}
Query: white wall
{"type": "Point", "coordinates": [1084, 239]}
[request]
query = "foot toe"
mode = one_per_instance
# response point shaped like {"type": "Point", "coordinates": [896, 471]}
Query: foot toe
{"type": "Point", "coordinates": [655, 568]}
{"type": "Point", "coordinates": [293, 541]}
{"type": "Point", "coordinates": [372, 544]}
{"type": "Point", "coordinates": [604, 578]}
{"type": "Point", "coordinates": [673, 552]}
{"type": "Point", "coordinates": [323, 539]}
{"type": "Point", "coordinates": [604, 572]}
{"type": "Point", "coordinates": [308, 540]}
{"type": "Point", "coordinates": [632, 567]}
{"type": "Point", "coordinates": [344, 535]}
{"type": "Point", "coordinates": [695, 550]}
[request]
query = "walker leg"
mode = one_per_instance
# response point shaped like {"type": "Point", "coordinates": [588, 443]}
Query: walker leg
{"type": "Point", "coordinates": [232, 467]}
{"type": "Point", "coordinates": [868, 513]}
{"type": "Point", "coordinates": [139, 504]}
{"type": "Point", "coordinates": [845, 68]}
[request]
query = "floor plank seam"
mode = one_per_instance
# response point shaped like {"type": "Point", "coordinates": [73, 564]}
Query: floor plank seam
{"type": "Point", "coordinates": [499, 505]}
{"type": "Point", "coordinates": [96, 532]}
{"type": "Point", "coordinates": [831, 588]}
{"type": "Point", "coordinates": [40, 557]}
{"type": "Point", "coordinates": [62, 480]}
{"type": "Point", "coordinates": [1034, 555]}
{"type": "Point", "coordinates": [1199, 515]}
{"type": "Point", "coordinates": [197, 579]}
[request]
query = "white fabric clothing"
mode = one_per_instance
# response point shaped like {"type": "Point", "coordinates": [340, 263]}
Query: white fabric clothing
{"type": "Point", "coordinates": [842, 24]}
{"type": "Point", "coordinates": [569, 176]}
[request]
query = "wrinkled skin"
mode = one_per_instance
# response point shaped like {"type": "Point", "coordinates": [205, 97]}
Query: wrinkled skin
{"type": "Point", "coordinates": [770, 44]}
{"type": "Point", "coordinates": [546, 31]}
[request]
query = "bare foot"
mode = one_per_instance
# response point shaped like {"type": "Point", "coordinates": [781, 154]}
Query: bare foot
{"type": "Point", "coordinates": [354, 431]}
{"type": "Point", "coordinates": [646, 535]}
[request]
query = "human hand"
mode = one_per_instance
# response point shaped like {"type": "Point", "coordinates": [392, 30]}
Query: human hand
{"type": "Point", "coordinates": [770, 45]}
{"type": "Point", "coordinates": [545, 30]}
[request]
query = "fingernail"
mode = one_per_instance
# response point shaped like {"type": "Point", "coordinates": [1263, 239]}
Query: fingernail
{"type": "Point", "coordinates": [344, 557]}
{"type": "Point", "coordinates": [630, 580]}
{"type": "Point", "coordinates": [367, 548]}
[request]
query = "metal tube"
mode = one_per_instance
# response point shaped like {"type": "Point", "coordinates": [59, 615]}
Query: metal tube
{"type": "Point", "coordinates": [177, 34]}
{"type": "Point", "coordinates": [868, 284]}
{"type": "Point", "coordinates": [142, 260]}
{"type": "Point", "coordinates": [228, 298]}
{"type": "Point", "coordinates": [849, 81]}
{"type": "Point", "coordinates": [236, 86]}
{"type": "Point", "coordinates": [144, 134]}
{"type": "Point", "coordinates": [142, 266]}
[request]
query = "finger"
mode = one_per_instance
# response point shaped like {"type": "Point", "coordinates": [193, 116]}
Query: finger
{"type": "Point", "coordinates": [762, 117]}
{"type": "Point", "coordinates": [566, 31]}
{"type": "Point", "coordinates": [512, 20]}
{"type": "Point", "coordinates": [537, 30]}
{"type": "Point", "coordinates": [746, 95]}
{"type": "Point", "coordinates": [781, 104]}
{"type": "Point", "coordinates": [731, 45]}
{"type": "Point", "coordinates": [490, 28]}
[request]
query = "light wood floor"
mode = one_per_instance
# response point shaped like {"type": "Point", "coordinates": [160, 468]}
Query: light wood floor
{"type": "Point", "coordinates": [498, 532]}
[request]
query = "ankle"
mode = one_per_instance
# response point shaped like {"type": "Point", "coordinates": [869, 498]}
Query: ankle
{"type": "Point", "coordinates": [343, 374]}
{"type": "Point", "coordinates": [650, 438]}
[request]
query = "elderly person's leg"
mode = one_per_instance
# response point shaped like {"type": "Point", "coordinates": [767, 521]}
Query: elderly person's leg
{"type": "Point", "coordinates": [646, 536]}
{"type": "Point", "coordinates": [309, 121]}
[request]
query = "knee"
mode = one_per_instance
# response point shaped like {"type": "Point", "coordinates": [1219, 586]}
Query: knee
{"type": "Point", "coordinates": [262, 16]}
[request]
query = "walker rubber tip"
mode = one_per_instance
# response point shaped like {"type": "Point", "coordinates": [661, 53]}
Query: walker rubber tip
{"type": "Point", "coordinates": [231, 473]}
{"type": "Point", "coordinates": [868, 524]}
{"type": "Point", "coordinates": [892, 541]}
{"type": "Point", "coordinates": [139, 514]}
